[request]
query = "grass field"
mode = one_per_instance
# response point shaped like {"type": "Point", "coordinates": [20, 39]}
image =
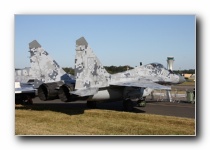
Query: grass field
{"type": "Point", "coordinates": [188, 83]}
{"type": "Point", "coordinates": [54, 120]}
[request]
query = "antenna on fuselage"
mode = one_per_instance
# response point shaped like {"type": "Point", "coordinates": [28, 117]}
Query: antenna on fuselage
{"type": "Point", "coordinates": [140, 63]}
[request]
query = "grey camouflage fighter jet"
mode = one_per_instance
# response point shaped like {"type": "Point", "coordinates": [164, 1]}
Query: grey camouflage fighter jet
{"type": "Point", "coordinates": [96, 84]}
{"type": "Point", "coordinates": [45, 74]}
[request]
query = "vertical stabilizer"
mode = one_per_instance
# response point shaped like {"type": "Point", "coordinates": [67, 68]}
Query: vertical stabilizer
{"type": "Point", "coordinates": [43, 66]}
{"type": "Point", "coordinates": [89, 71]}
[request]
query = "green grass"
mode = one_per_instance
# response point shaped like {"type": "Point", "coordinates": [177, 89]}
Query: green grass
{"type": "Point", "coordinates": [188, 83]}
{"type": "Point", "coordinates": [56, 120]}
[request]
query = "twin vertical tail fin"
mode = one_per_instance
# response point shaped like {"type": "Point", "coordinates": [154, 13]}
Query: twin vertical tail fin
{"type": "Point", "coordinates": [89, 71]}
{"type": "Point", "coordinates": [44, 68]}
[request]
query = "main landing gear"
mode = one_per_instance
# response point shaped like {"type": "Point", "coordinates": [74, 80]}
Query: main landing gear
{"type": "Point", "coordinates": [128, 104]}
{"type": "Point", "coordinates": [141, 102]}
{"type": "Point", "coordinates": [24, 99]}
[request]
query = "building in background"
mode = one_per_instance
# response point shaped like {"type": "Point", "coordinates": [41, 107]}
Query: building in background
{"type": "Point", "coordinates": [170, 61]}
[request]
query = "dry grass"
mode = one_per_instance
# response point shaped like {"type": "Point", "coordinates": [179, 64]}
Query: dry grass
{"type": "Point", "coordinates": [45, 120]}
{"type": "Point", "coordinates": [187, 83]}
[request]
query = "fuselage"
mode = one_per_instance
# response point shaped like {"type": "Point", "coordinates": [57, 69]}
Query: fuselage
{"type": "Point", "coordinates": [153, 72]}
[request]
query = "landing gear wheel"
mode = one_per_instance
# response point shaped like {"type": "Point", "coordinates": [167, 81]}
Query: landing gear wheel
{"type": "Point", "coordinates": [128, 105]}
{"type": "Point", "coordinates": [141, 103]}
{"type": "Point", "coordinates": [29, 102]}
{"type": "Point", "coordinates": [91, 104]}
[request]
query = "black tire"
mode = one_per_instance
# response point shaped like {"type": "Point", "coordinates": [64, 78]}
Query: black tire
{"type": "Point", "coordinates": [29, 102]}
{"type": "Point", "coordinates": [18, 101]}
{"type": "Point", "coordinates": [24, 99]}
{"type": "Point", "coordinates": [128, 105]}
{"type": "Point", "coordinates": [27, 99]}
{"type": "Point", "coordinates": [91, 104]}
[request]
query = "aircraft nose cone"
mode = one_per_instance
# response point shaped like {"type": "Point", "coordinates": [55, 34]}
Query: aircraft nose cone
{"type": "Point", "coordinates": [181, 79]}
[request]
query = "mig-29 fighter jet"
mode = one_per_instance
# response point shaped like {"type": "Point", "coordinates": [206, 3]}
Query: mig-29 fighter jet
{"type": "Point", "coordinates": [96, 84]}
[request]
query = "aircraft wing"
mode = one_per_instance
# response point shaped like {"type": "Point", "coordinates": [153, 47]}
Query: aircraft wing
{"type": "Point", "coordinates": [139, 83]}
{"type": "Point", "coordinates": [85, 92]}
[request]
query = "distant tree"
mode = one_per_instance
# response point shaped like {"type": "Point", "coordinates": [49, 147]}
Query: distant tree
{"type": "Point", "coordinates": [115, 69]}
{"type": "Point", "coordinates": [110, 69]}
{"type": "Point", "coordinates": [69, 70]}
{"type": "Point", "coordinates": [190, 71]}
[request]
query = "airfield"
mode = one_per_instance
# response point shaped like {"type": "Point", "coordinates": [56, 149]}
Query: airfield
{"type": "Point", "coordinates": [180, 107]}
{"type": "Point", "coordinates": [159, 117]}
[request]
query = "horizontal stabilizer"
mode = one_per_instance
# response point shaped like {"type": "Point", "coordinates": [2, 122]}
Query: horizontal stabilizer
{"type": "Point", "coordinates": [85, 92]}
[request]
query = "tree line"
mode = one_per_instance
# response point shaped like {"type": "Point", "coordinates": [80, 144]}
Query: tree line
{"type": "Point", "coordinates": [190, 71]}
{"type": "Point", "coordinates": [117, 69]}
{"type": "Point", "coordinates": [109, 69]}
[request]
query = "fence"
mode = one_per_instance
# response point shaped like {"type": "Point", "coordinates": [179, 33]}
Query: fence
{"type": "Point", "coordinates": [175, 95]}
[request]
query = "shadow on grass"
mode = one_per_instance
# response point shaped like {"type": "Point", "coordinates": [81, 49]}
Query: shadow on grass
{"type": "Point", "coordinates": [62, 108]}
{"type": "Point", "coordinates": [74, 108]}
{"type": "Point", "coordinates": [116, 106]}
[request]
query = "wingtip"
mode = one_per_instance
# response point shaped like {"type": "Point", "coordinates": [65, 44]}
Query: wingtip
{"type": "Point", "coordinates": [34, 44]}
{"type": "Point", "coordinates": [81, 41]}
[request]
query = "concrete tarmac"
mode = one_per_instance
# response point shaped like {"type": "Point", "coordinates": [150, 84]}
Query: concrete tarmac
{"type": "Point", "coordinates": [178, 109]}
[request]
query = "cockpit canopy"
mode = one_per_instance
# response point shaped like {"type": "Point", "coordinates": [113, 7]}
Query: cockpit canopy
{"type": "Point", "coordinates": [155, 65]}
